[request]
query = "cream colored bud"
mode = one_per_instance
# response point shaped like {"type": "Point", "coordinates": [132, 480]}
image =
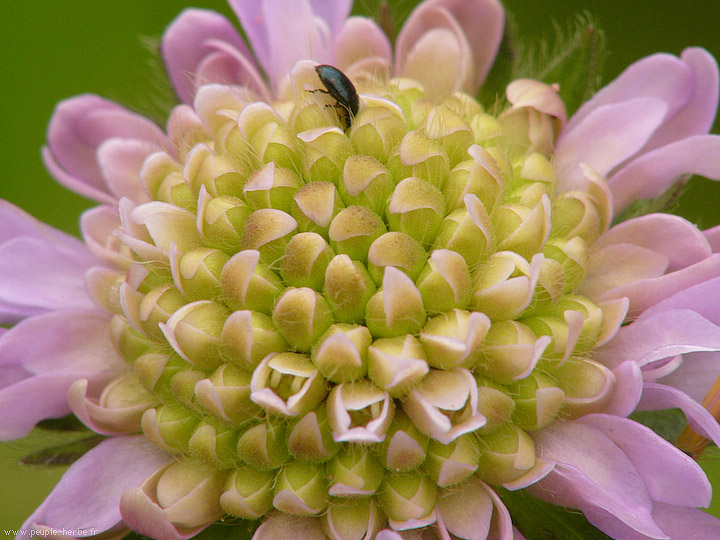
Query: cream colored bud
{"type": "Point", "coordinates": [268, 231]}
{"type": "Point", "coordinates": [480, 176]}
{"type": "Point", "coordinates": [271, 187]}
{"type": "Point", "coordinates": [200, 271]}
{"type": "Point", "coordinates": [398, 250]}
{"type": "Point", "coordinates": [404, 446]}
{"type": "Point", "coordinates": [588, 386]}
{"type": "Point", "coordinates": [315, 205]}
{"type": "Point", "coordinates": [408, 500]}
{"type": "Point", "coordinates": [310, 439]}
{"type": "Point", "coordinates": [249, 284]}
{"type": "Point", "coordinates": [507, 454]}
{"type": "Point", "coordinates": [248, 337]}
{"type": "Point", "coordinates": [426, 158]}
{"type": "Point", "coordinates": [416, 208]}
{"type": "Point", "coordinates": [522, 229]}
{"type": "Point", "coordinates": [214, 445]}
{"type": "Point", "coordinates": [510, 352]}
{"type": "Point", "coordinates": [359, 412]}
{"type": "Point", "coordinates": [467, 231]}
{"type": "Point", "coordinates": [127, 341]}
{"type": "Point", "coordinates": [302, 315]}
{"type": "Point", "coordinates": [378, 129]}
{"type": "Point", "coordinates": [325, 152]}
{"type": "Point", "coordinates": [301, 489]}
{"type": "Point", "coordinates": [572, 255]}
{"type": "Point", "coordinates": [248, 492]}
{"type": "Point", "coordinates": [397, 308]}
{"type": "Point", "coordinates": [348, 288]}
{"type": "Point", "coordinates": [397, 364]}
{"type": "Point", "coordinates": [444, 405]}
{"type": "Point", "coordinates": [157, 306]}
{"type": "Point", "coordinates": [454, 339]}
{"type": "Point", "coordinates": [494, 404]}
{"type": "Point", "coordinates": [354, 472]}
{"type": "Point", "coordinates": [189, 494]}
{"type": "Point", "coordinates": [263, 446]}
{"type": "Point", "coordinates": [216, 172]}
{"type": "Point", "coordinates": [169, 427]}
{"type": "Point", "coordinates": [537, 401]}
{"type": "Point", "coordinates": [306, 258]}
{"type": "Point", "coordinates": [221, 221]}
{"type": "Point", "coordinates": [341, 353]}
{"type": "Point", "coordinates": [353, 230]}
{"type": "Point", "coordinates": [354, 519]}
{"type": "Point", "coordinates": [450, 464]}
{"type": "Point", "coordinates": [226, 395]}
{"type": "Point", "coordinates": [365, 182]}
{"type": "Point", "coordinates": [451, 130]}
{"type": "Point", "coordinates": [444, 283]}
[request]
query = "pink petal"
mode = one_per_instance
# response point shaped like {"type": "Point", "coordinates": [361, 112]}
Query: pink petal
{"type": "Point", "coordinates": [15, 223]}
{"type": "Point", "coordinates": [659, 335]}
{"type": "Point", "coordinates": [88, 495]}
{"type": "Point", "coordinates": [659, 396]}
{"type": "Point", "coordinates": [695, 375]}
{"type": "Point", "coordinates": [39, 275]}
{"type": "Point", "coordinates": [361, 38]}
{"type": "Point", "coordinates": [144, 516]}
{"type": "Point", "coordinates": [697, 115]}
{"type": "Point", "coordinates": [683, 523]}
{"type": "Point", "coordinates": [539, 96]}
{"type": "Point", "coordinates": [227, 65]}
{"type": "Point", "coordinates": [700, 298]}
{"type": "Point", "coordinates": [627, 390]}
{"type": "Point", "coordinates": [98, 227]}
{"type": "Point", "coordinates": [713, 236]}
{"type": "Point", "coordinates": [652, 173]}
{"type": "Point", "coordinates": [185, 44]}
{"type": "Point", "coordinates": [120, 161]}
{"type": "Point", "coordinates": [335, 12]}
{"type": "Point", "coordinates": [606, 137]}
{"type": "Point", "coordinates": [77, 128]}
{"type": "Point", "coordinates": [670, 475]}
{"type": "Point", "coordinates": [674, 237]}
{"type": "Point", "coordinates": [660, 76]}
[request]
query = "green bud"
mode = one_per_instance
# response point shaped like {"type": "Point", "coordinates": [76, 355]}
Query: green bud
{"type": "Point", "coordinates": [397, 308]}
{"type": "Point", "coordinates": [169, 427]}
{"type": "Point", "coordinates": [221, 221]}
{"type": "Point", "coordinates": [537, 401]}
{"type": "Point", "coordinates": [353, 230]}
{"type": "Point", "coordinates": [398, 250]}
{"type": "Point", "coordinates": [503, 286]}
{"type": "Point", "coordinates": [426, 158]}
{"type": "Point", "coordinates": [271, 187]}
{"type": "Point", "coordinates": [507, 454]}
{"type": "Point", "coordinates": [314, 207]}
{"type": "Point", "coordinates": [408, 498]}
{"type": "Point", "coordinates": [416, 208]}
{"type": "Point", "coordinates": [444, 282]}
{"type": "Point", "coordinates": [359, 412]}
{"type": "Point", "coordinates": [302, 316]}
{"type": "Point", "coordinates": [348, 288]}
{"type": "Point", "coordinates": [301, 489]}
{"type": "Point", "coordinates": [573, 258]}
{"type": "Point", "coordinates": [588, 386]}
{"type": "Point", "coordinates": [451, 130]}
{"type": "Point", "coordinates": [214, 445]}
{"type": "Point", "coordinates": [353, 519]}
{"type": "Point", "coordinates": [226, 395]}
{"type": "Point", "coordinates": [354, 472]}
{"type": "Point", "coordinates": [248, 337]}
{"type": "Point", "coordinates": [157, 306]}
{"type": "Point", "coordinates": [194, 332]}
{"type": "Point", "coordinates": [467, 231]}
{"type": "Point", "coordinates": [189, 494]}
{"type": "Point", "coordinates": [325, 152]}
{"type": "Point", "coordinates": [365, 182]}
{"type": "Point", "coordinates": [450, 464]}
{"type": "Point", "coordinates": [341, 353]}
{"type": "Point", "coordinates": [249, 284]}
{"type": "Point", "coordinates": [263, 445]}
{"type": "Point", "coordinates": [268, 231]}
{"type": "Point", "coordinates": [397, 364]}
{"type": "Point", "coordinates": [217, 173]}
{"type": "Point", "coordinates": [522, 229]}
{"type": "Point", "coordinates": [310, 439]}
{"type": "Point", "coordinates": [200, 271]}
{"type": "Point", "coordinates": [248, 492]}
{"type": "Point", "coordinates": [127, 341]}
{"type": "Point", "coordinates": [454, 339]}
{"type": "Point", "coordinates": [404, 446]}
{"type": "Point", "coordinates": [306, 258]}
{"type": "Point", "coordinates": [378, 129]}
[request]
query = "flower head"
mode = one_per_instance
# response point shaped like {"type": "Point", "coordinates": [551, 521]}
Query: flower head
{"type": "Point", "coordinates": [367, 325]}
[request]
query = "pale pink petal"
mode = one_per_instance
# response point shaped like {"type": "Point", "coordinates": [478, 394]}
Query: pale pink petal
{"type": "Point", "coordinates": [252, 19]}
{"type": "Point", "coordinates": [659, 335]}
{"type": "Point", "coordinates": [143, 515]}
{"type": "Point", "coordinates": [701, 298]}
{"type": "Point", "coordinates": [88, 495]}
{"type": "Point", "coordinates": [606, 137]}
{"type": "Point", "coordinates": [713, 236]}
{"type": "Point", "coordinates": [41, 276]}
{"type": "Point", "coordinates": [697, 115]}
{"type": "Point", "coordinates": [652, 173]}
{"type": "Point", "coordinates": [185, 45]}
{"type": "Point", "coordinates": [281, 526]}
{"type": "Point", "coordinates": [627, 390]}
{"type": "Point", "coordinates": [361, 38]}
{"type": "Point", "coordinates": [334, 12]}
{"type": "Point", "coordinates": [227, 65]}
{"type": "Point", "coordinates": [695, 375]}
{"type": "Point", "coordinates": [683, 523]}
{"type": "Point", "coordinates": [670, 475]}
{"type": "Point", "coordinates": [15, 223]}
{"type": "Point", "coordinates": [661, 76]}
{"type": "Point", "coordinates": [99, 226]}
{"type": "Point", "coordinates": [120, 161]}
{"type": "Point", "coordinates": [77, 128]}
{"type": "Point", "coordinates": [674, 237]}
{"type": "Point", "coordinates": [540, 96]}
{"type": "Point", "coordinates": [659, 396]}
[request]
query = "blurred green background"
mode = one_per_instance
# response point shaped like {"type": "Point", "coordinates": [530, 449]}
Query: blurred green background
{"type": "Point", "coordinates": [54, 49]}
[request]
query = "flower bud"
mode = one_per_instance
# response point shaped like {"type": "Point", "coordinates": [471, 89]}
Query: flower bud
{"type": "Point", "coordinates": [454, 339]}
{"type": "Point", "coordinates": [200, 271]}
{"type": "Point", "coordinates": [444, 282]}
{"type": "Point", "coordinates": [271, 187]}
{"type": "Point", "coordinates": [365, 182]}
{"type": "Point", "coordinates": [359, 412]}
{"type": "Point", "coordinates": [249, 284]}
{"type": "Point", "coordinates": [397, 308]}
{"type": "Point", "coordinates": [354, 472]}
{"type": "Point", "coordinates": [310, 439]}
{"type": "Point", "coordinates": [408, 500]}
{"type": "Point", "coordinates": [157, 306]}
{"type": "Point", "coordinates": [467, 231]}
{"type": "Point", "coordinates": [325, 152]}
{"type": "Point", "coordinates": [194, 332]}
{"type": "Point", "coordinates": [404, 446]}
{"type": "Point", "coordinates": [214, 445]}
{"type": "Point", "coordinates": [416, 209]}
{"type": "Point", "coordinates": [182, 386]}
{"type": "Point", "coordinates": [268, 231]}
{"type": "Point", "coordinates": [216, 172]}
{"type": "Point", "coordinates": [573, 258]}
{"type": "Point", "coordinates": [444, 405]}
{"type": "Point", "coordinates": [306, 258]}
{"type": "Point", "coordinates": [348, 288]}
{"type": "Point", "coordinates": [378, 129]}
{"type": "Point", "coordinates": [425, 157]}
{"type": "Point", "coordinates": [341, 353]}
{"type": "Point", "coordinates": [511, 351]}
{"type": "Point", "coordinates": [449, 464]}
{"type": "Point", "coordinates": [226, 395]}
{"type": "Point", "coordinates": [248, 337]}
{"type": "Point", "coordinates": [248, 492]}
{"type": "Point", "coordinates": [537, 401]}
{"type": "Point", "coordinates": [189, 494]}
{"type": "Point", "coordinates": [127, 341]}
{"type": "Point", "coordinates": [169, 426]}
{"type": "Point", "coordinates": [276, 143]}
{"type": "Point", "coordinates": [494, 404]}
{"type": "Point", "coordinates": [301, 489]}
{"type": "Point", "coordinates": [480, 176]}
{"type": "Point", "coordinates": [450, 130]}
{"type": "Point", "coordinates": [507, 454]}
{"type": "Point", "coordinates": [397, 250]}
{"type": "Point", "coordinates": [588, 386]}
{"type": "Point", "coordinates": [221, 221]}
{"type": "Point", "coordinates": [522, 229]}
{"type": "Point", "coordinates": [397, 364]}
{"type": "Point", "coordinates": [503, 286]}
{"type": "Point", "coordinates": [263, 445]}
{"type": "Point", "coordinates": [353, 519]}
{"type": "Point", "coordinates": [315, 205]}
{"type": "Point", "coordinates": [302, 316]}
{"type": "Point", "coordinates": [155, 370]}
{"type": "Point", "coordinates": [353, 230]}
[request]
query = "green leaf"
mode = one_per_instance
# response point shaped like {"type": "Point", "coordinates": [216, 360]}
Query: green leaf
{"type": "Point", "coordinates": [668, 423]}
{"type": "Point", "coordinates": [664, 203]}
{"type": "Point", "coordinates": [538, 520]}
{"type": "Point", "coordinates": [504, 68]}
{"type": "Point", "coordinates": [66, 423]}
{"type": "Point", "coordinates": [64, 453]}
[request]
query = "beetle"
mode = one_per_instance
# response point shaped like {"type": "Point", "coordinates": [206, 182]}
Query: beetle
{"type": "Point", "coordinates": [338, 85]}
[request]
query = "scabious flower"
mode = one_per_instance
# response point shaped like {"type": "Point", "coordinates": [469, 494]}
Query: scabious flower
{"type": "Point", "coordinates": [369, 326]}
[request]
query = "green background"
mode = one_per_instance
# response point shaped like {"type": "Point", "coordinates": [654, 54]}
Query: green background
{"type": "Point", "coordinates": [54, 49]}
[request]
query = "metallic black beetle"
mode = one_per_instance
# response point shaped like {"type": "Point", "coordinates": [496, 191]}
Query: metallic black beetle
{"type": "Point", "coordinates": [339, 87]}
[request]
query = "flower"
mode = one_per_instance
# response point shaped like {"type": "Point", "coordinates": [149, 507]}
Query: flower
{"type": "Point", "coordinates": [363, 330]}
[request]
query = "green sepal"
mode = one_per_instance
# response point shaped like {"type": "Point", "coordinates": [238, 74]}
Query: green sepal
{"type": "Point", "coordinates": [65, 453]}
{"type": "Point", "coordinates": [664, 203]}
{"type": "Point", "coordinates": [539, 520]}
